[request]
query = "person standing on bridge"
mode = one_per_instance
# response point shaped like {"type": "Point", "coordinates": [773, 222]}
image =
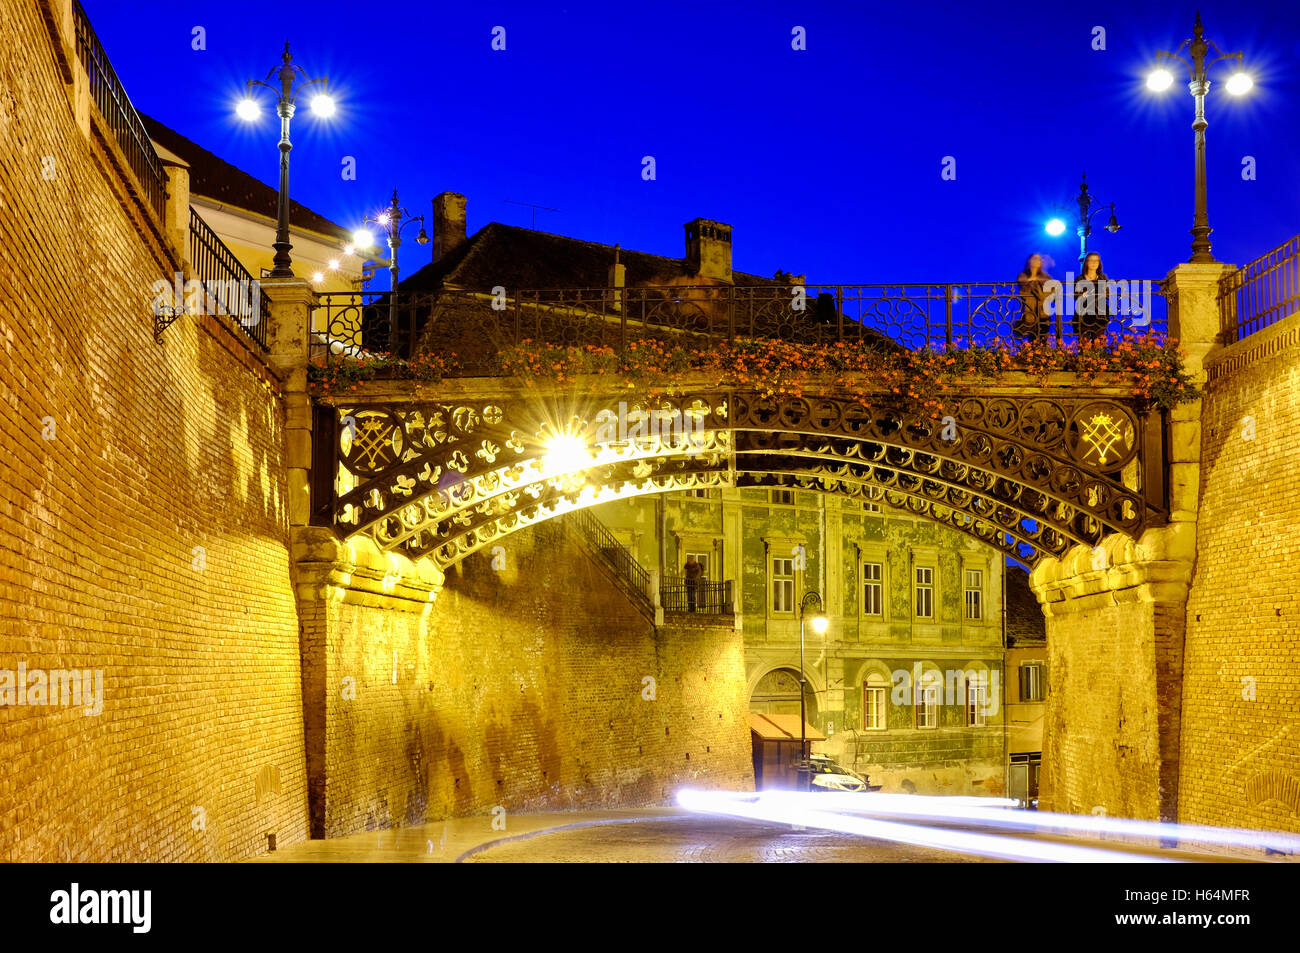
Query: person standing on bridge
{"type": "Point", "coordinates": [693, 571]}
{"type": "Point", "coordinates": [1091, 301]}
{"type": "Point", "coordinates": [1032, 281]}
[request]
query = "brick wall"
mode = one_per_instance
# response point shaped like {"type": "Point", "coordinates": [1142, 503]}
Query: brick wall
{"type": "Point", "coordinates": [149, 450]}
{"type": "Point", "coordinates": [1241, 754]}
{"type": "Point", "coordinates": [1100, 739]}
{"type": "Point", "coordinates": [520, 687]}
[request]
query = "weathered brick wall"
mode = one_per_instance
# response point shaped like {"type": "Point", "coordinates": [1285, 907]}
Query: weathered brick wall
{"type": "Point", "coordinates": [520, 687]}
{"type": "Point", "coordinates": [1241, 696]}
{"type": "Point", "coordinates": [153, 449]}
{"type": "Point", "coordinates": [1100, 743]}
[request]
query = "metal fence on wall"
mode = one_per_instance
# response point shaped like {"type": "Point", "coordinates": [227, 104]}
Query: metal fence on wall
{"type": "Point", "coordinates": [120, 116]}
{"type": "Point", "coordinates": [229, 288]}
{"type": "Point", "coordinates": [1261, 292]}
{"type": "Point", "coordinates": [710, 598]}
{"type": "Point", "coordinates": [476, 326]}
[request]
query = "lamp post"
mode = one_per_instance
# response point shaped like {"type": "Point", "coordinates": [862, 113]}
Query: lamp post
{"type": "Point", "coordinates": [1160, 79]}
{"type": "Point", "coordinates": [392, 220]}
{"type": "Point", "coordinates": [287, 96]}
{"type": "Point", "coordinates": [819, 624]}
{"type": "Point", "coordinates": [1086, 212]}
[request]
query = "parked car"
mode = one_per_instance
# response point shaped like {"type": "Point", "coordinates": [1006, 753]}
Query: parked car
{"type": "Point", "coordinates": [827, 775]}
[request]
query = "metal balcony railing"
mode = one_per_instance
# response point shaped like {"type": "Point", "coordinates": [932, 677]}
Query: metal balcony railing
{"type": "Point", "coordinates": [1261, 292]}
{"type": "Point", "coordinates": [478, 326]}
{"type": "Point", "coordinates": [119, 115]}
{"type": "Point", "coordinates": [230, 289]}
{"type": "Point", "coordinates": [712, 598]}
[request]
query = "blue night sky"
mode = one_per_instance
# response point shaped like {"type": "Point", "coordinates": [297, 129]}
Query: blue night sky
{"type": "Point", "coordinates": [825, 161]}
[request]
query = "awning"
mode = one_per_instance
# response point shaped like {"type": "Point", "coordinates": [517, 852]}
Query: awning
{"type": "Point", "coordinates": [781, 728]}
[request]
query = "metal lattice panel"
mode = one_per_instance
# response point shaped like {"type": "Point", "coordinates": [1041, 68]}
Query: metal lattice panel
{"type": "Point", "coordinates": [1031, 475]}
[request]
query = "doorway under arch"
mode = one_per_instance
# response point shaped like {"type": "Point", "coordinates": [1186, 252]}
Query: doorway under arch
{"type": "Point", "coordinates": [777, 693]}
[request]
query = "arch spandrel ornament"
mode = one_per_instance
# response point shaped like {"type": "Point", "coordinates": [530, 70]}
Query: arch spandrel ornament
{"type": "Point", "coordinates": [1029, 474]}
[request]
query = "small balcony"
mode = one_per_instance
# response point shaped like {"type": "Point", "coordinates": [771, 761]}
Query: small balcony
{"type": "Point", "coordinates": [705, 598]}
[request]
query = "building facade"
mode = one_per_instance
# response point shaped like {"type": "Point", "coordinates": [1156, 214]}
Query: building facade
{"type": "Point", "coordinates": [908, 681]}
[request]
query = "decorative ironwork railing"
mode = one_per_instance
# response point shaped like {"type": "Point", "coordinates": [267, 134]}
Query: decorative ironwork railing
{"type": "Point", "coordinates": [120, 116]}
{"type": "Point", "coordinates": [713, 598]}
{"type": "Point", "coordinates": [615, 554]}
{"type": "Point", "coordinates": [477, 326]}
{"type": "Point", "coordinates": [1262, 292]}
{"type": "Point", "coordinates": [229, 287]}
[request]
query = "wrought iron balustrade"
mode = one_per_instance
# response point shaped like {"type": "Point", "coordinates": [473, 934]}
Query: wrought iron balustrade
{"type": "Point", "coordinates": [119, 115]}
{"type": "Point", "coordinates": [477, 326]}
{"type": "Point", "coordinates": [616, 555]}
{"type": "Point", "coordinates": [1261, 292]}
{"type": "Point", "coordinates": [713, 598]}
{"type": "Point", "coordinates": [230, 289]}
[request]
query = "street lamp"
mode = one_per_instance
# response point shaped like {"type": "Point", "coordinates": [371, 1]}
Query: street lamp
{"type": "Point", "coordinates": [1161, 79]}
{"type": "Point", "coordinates": [322, 105]}
{"type": "Point", "coordinates": [1084, 227]}
{"type": "Point", "coordinates": [392, 220]}
{"type": "Point", "coordinates": [819, 623]}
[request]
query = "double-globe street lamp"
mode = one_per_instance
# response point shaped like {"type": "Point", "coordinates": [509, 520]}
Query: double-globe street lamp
{"type": "Point", "coordinates": [819, 623]}
{"type": "Point", "coordinates": [1160, 79]}
{"type": "Point", "coordinates": [287, 96]}
{"type": "Point", "coordinates": [1083, 224]}
{"type": "Point", "coordinates": [392, 220]}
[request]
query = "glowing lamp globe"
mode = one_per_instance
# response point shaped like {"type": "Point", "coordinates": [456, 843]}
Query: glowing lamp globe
{"type": "Point", "coordinates": [1239, 83]}
{"type": "Point", "coordinates": [1159, 80]}
{"type": "Point", "coordinates": [323, 106]}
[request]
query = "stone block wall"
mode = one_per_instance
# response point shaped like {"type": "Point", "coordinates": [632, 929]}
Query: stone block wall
{"type": "Point", "coordinates": [521, 687]}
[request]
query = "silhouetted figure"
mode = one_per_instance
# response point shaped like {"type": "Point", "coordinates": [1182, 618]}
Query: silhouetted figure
{"type": "Point", "coordinates": [1034, 320]}
{"type": "Point", "coordinates": [693, 571]}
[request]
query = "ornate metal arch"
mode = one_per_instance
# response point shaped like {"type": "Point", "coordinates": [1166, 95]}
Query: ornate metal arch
{"type": "Point", "coordinates": [1029, 474]}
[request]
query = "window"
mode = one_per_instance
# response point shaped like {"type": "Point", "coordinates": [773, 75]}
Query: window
{"type": "Point", "coordinates": [1031, 682]}
{"type": "Point", "coordinates": [697, 494]}
{"type": "Point", "coordinates": [974, 594]}
{"type": "Point", "coordinates": [923, 605]}
{"type": "Point", "coordinates": [927, 703]}
{"type": "Point", "coordinates": [976, 699]}
{"type": "Point", "coordinates": [783, 497]}
{"type": "Point", "coordinates": [873, 588]}
{"type": "Point", "coordinates": [782, 585]}
{"type": "Point", "coordinates": [869, 507]}
{"type": "Point", "coordinates": [875, 693]}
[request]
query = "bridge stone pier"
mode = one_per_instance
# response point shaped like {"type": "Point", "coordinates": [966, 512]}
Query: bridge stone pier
{"type": "Point", "coordinates": [1117, 616]}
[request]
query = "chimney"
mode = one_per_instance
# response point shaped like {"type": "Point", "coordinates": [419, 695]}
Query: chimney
{"type": "Point", "coordinates": [448, 224]}
{"type": "Point", "coordinates": [708, 249]}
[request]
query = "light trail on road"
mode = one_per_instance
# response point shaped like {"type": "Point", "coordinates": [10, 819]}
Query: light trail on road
{"type": "Point", "coordinates": [994, 813]}
{"type": "Point", "coordinates": [791, 808]}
